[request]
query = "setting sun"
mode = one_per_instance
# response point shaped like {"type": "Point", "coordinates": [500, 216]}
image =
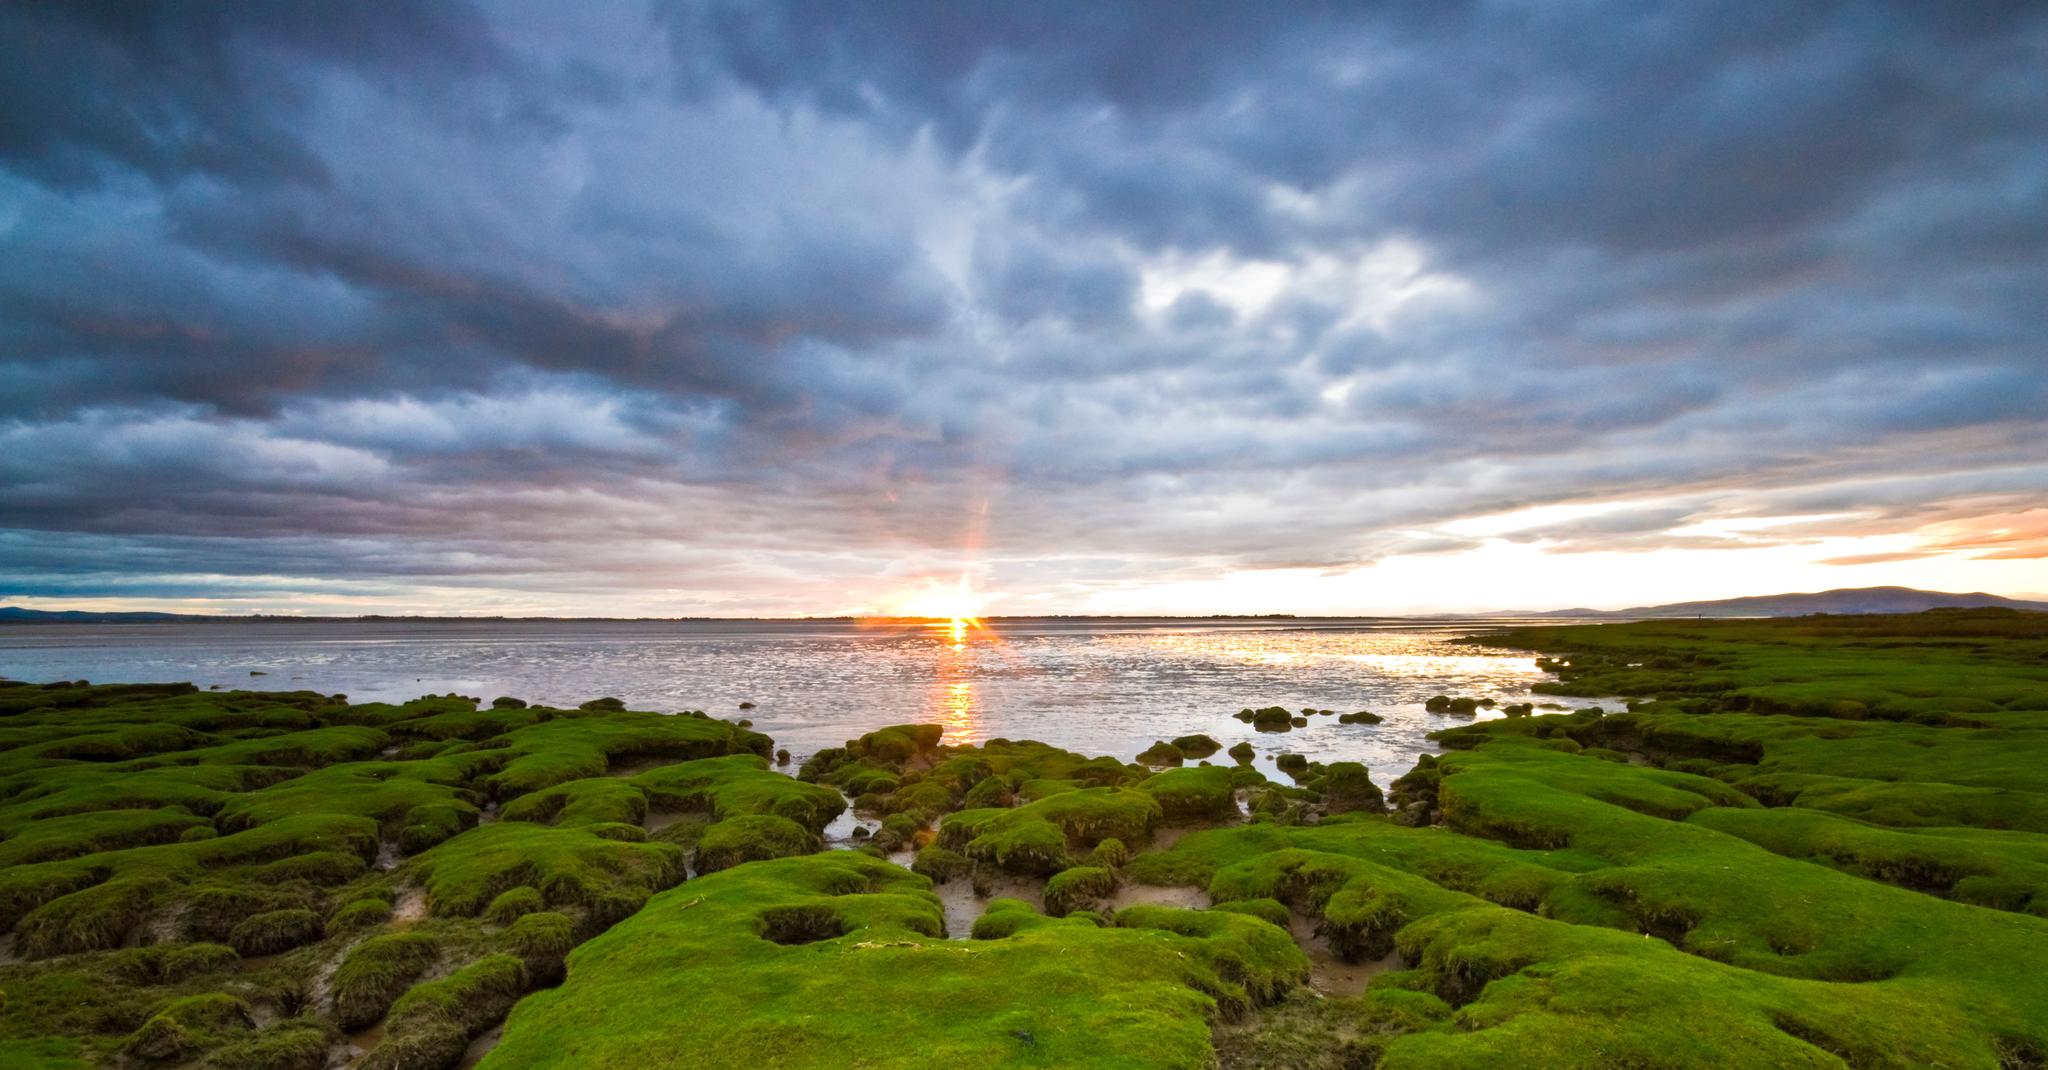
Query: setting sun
{"type": "Point", "coordinates": [956, 602]}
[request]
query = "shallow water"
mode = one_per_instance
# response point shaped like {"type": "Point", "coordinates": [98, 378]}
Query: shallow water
{"type": "Point", "coordinates": [1096, 686]}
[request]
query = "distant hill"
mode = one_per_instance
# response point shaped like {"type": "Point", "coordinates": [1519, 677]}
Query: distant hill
{"type": "Point", "coordinates": [16, 614]}
{"type": "Point", "coordinates": [1841, 600]}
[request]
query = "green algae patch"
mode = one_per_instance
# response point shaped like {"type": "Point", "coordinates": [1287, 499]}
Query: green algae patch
{"type": "Point", "coordinates": [1808, 843]}
{"type": "Point", "coordinates": [752, 838]}
{"type": "Point", "coordinates": [1043, 837]}
{"type": "Point", "coordinates": [736, 786]}
{"type": "Point", "coordinates": [798, 962]}
{"type": "Point", "coordinates": [275, 851]}
{"type": "Point", "coordinates": [1201, 793]}
{"type": "Point", "coordinates": [567, 866]}
{"type": "Point", "coordinates": [1080, 888]}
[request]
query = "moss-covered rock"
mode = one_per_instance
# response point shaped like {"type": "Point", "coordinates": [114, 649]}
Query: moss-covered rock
{"type": "Point", "coordinates": [941, 864]}
{"type": "Point", "coordinates": [377, 972]}
{"type": "Point", "coordinates": [1161, 754]}
{"type": "Point", "coordinates": [1080, 888]}
{"type": "Point", "coordinates": [752, 838]}
{"type": "Point", "coordinates": [1205, 793]}
{"type": "Point", "coordinates": [1347, 787]}
{"type": "Point", "coordinates": [275, 931]}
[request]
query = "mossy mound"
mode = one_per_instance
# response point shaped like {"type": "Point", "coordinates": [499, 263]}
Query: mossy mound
{"type": "Point", "coordinates": [1161, 754]}
{"type": "Point", "coordinates": [1080, 888]}
{"type": "Point", "coordinates": [1206, 793]}
{"type": "Point", "coordinates": [752, 838]}
{"type": "Point", "coordinates": [1041, 837]}
{"type": "Point", "coordinates": [811, 958]}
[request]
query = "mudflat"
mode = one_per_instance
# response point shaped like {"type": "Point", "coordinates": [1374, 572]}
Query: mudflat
{"type": "Point", "coordinates": [1808, 842]}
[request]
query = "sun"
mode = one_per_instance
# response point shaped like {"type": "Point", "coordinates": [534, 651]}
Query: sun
{"type": "Point", "coordinates": [956, 607]}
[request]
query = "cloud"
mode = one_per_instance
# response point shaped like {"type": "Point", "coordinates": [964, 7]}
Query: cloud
{"type": "Point", "coordinates": [550, 300]}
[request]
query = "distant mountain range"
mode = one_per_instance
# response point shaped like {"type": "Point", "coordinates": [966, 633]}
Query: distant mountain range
{"type": "Point", "coordinates": [1841, 600]}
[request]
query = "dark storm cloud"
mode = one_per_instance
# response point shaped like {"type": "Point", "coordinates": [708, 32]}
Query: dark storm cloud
{"type": "Point", "coordinates": [554, 298]}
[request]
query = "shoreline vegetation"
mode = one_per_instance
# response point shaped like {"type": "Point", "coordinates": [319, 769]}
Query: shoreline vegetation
{"type": "Point", "coordinates": [1807, 842]}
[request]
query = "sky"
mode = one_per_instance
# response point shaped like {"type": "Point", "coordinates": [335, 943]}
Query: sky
{"type": "Point", "coordinates": [819, 308]}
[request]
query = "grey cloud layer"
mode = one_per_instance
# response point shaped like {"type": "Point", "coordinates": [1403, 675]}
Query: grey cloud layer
{"type": "Point", "coordinates": [554, 298]}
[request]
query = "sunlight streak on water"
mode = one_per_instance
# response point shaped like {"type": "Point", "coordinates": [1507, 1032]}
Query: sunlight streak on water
{"type": "Point", "coordinates": [1100, 687]}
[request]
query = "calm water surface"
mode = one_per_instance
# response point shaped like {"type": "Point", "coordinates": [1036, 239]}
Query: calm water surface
{"type": "Point", "coordinates": [1095, 686]}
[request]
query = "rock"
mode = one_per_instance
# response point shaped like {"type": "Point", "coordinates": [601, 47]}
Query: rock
{"type": "Point", "coordinates": [1348, 787]}
{"type": "Point", "coordinates": [1242, 753]}
{"type": "Point", "coordinates": [1161, 754]}
{"type": "Point", "coordinates": [1272, 719]}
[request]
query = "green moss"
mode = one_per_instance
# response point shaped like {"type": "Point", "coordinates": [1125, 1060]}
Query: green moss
{"type": "Point", "coordinates": [275, 931]}
{"type": "Point", "coordinates": [1346, 787]}
{"type": "Point", "coordinates": [358, 915]}
{"type": "Point", "coordinates": [941, 864]}
{"type": "Point", "coordinates": [898, 743]}
{"type": "Point", "coordinates": [1161, 754]}
{"type": "Point", "coordinates": [515, 903]}
{"type": "Point", "coordinates": [1271, 911]}
{"type": "Point", "coordinates": [1109, 854]}
{"type": "Point", "coordinates": [1242, 753]}
{"type": "Point", "coordinates": [752, 838]}
{"type": "Point", "coordinates": [542, 942]}
{"type": "Point", "coordinates": [989, 791]}
{"type": "Point", "coordinates": [1197, 746]}
{"type": "Point", "coordinates": [471, 998]}
{"type": "Point", "coordinates": [1205, 793]}
{"type": "Point", "coordinates": [186, 1026]}
{"type": "Point", "coordinates": [1080, 888]}
{"type": "Point", "coordinates": [376, 973]}
{"type": "Point", "coordinates": [872, 976]}
{"type": "Point", "coordinates": [737, 786]}
{"type": "Point", "coordinates": [1270, 718]}
{"type": "Point", "coordinates": [567, 866]}
{"type": "Point", "coordinates": [295, 1044]}
{"type": "Point", "coordinates": [1256, 961]}
{"type": "Point", "coordinates": [92, 919]}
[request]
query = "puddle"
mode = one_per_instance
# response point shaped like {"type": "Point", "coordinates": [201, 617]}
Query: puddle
{"type": "Point", "coordinates": [387, 855]}
{"type": "Point", "coordinates": [257, 963]}
{"type": "Point", "coordinates": [839, 834]}
{"type": "Point", "coordinates": [480, 1047]}
{"type": "Point", "coordinates": [962, 906]}
{"type": "Point", "coordinates": [1327, 973]}
{"type": "Point", "coordinates": [1131, 895]}
{"type": "Point", "coordinates": [363, 1041]}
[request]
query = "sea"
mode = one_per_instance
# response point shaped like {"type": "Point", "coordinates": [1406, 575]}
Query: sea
{"type": "Point", "coordinates": [1095, 685]}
